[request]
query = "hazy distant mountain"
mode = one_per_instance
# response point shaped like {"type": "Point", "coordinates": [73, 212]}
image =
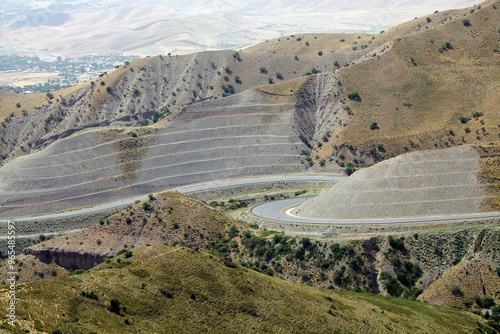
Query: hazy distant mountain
{"type": "Point", "coordinates": [152, 27]}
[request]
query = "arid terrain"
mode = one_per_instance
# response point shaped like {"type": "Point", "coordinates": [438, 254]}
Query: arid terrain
{"type": "Point", "coordinates": [407, 117]}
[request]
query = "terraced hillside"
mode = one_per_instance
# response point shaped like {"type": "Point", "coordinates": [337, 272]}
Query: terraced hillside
{"type": "Point", "coordinates": [426, 84]}
{"type": "Point", "coordinates": [417, 184]}
{"type": "Point", "coordinates": [146, 90]}
{"type": "Point", "coordinates": [248, 134]}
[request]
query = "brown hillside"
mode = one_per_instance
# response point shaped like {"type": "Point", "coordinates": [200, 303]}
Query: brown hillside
{"type": "Point", "coordinates": [28, 102]}
{"type": "Point", "coordinates": [30, 269]}
{"type": "Point", "coordinates": [171, 217]}
{"type": "Point", "coordinates": [150, 88]}
{"type": "Point", "coordinates": [462, 284]}
{"type": "Point", "coordinates": [429, 84]}
{"type": "Point", "coordinates": [296, 44]}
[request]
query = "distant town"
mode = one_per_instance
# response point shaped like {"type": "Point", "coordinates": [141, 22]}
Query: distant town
{"type": "Point", "coordinates": [68, 71]}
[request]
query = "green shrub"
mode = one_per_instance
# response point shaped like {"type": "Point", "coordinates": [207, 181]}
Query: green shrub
{"type": "Point", "coordinates": [233, 232]}
{"type": "Point", "coordinates": [270, 80]}
{"type": "Point", "coordinates": [354, 96]}
{"type": "Point", "coordinates": [298, 193]}
{"type": "Point", "coordinates": [349, 169]}
{"type": "Point", "coordinates": [166, 293]}
{"type": "Point", "coordinates": [455, 290]}
{"type": "Point", "coordinates": [89, 295]}
{"type": "Point", "coordinates": [263, 70]}
{"type": "Point", "coordinates": [373, 126]}
{"type": "Point", "coordinates": [279, 76]}
{"type": "Point", "coordinates": [409, 274]}
{"type": "Point", "coordinates": [304, 140]}
{"type": "Point", "coordinates": [394, 260]}
{"type": "Point", "coordinates": [488, 302]}
{"type": "Point", "coordinates": [466, 23]}
{"type": "Point", "coordinates": [393, 287]}
{"type": "Point", "coordinates": [122, 251]}
{"type": "Point", "coordinates": [320, 53]}
{"type": "Point", "coordinates": [477, 114]}
{"type": "Point", "coordinates": [397, 243]}
{"type": "Point", "coordinates": [412, 293]}
{"type": "Point", "coordinates": [338, 276]}
{"type": "Point", "coordinates": [114, 306]}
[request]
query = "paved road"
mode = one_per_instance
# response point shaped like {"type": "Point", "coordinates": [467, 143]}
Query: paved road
{"type": "Point", "coordinates": [186, 190]}
{"type": "Point", "coordinates": [279, 211]}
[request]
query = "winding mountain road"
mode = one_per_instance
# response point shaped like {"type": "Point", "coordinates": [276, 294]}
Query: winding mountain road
{"type": "Point", "coordinates": [280, 211]}
{"type": "Point", "coordinates": [185, 190]}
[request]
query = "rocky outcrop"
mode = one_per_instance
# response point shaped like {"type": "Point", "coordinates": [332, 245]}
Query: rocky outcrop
{"type": "Point", "coordinates": [68, 258]}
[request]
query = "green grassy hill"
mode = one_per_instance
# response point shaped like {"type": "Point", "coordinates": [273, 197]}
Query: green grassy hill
{"type": "Point", "coordinates": [167, 289]}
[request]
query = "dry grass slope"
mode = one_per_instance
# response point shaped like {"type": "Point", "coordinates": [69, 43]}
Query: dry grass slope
{"type": "Point", "coordinates": [429, 79]}
{"type": "Point", "coordinates": [168, 217]}
{"type": "Point", "coordinates": [177, 290]}
{"type": "Point", "coordinates": [462, 284]}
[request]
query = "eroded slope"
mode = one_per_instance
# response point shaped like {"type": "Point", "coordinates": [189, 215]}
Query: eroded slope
{"type": "Point", "coordinates": [418, 184]}
{"type": "Point", "coordinates": [253, 133]}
